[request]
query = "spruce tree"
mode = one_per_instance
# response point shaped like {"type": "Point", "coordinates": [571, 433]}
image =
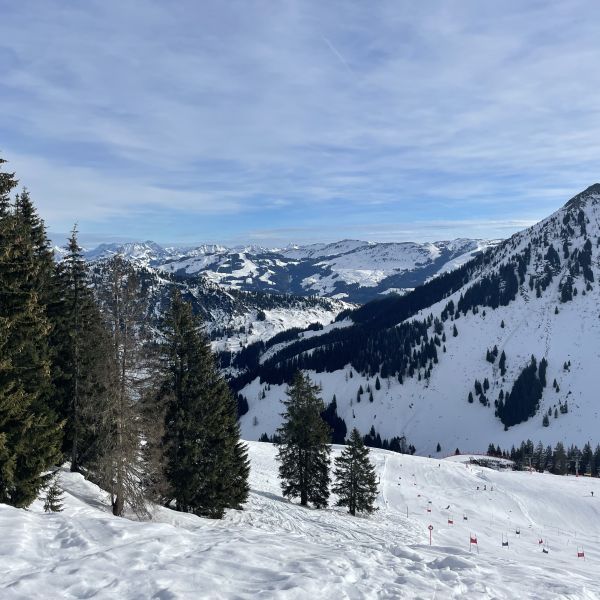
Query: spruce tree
{"type": "Point", "coordinates": [54, 498]}
{"type": "Point", "coordinates": [206, 464]}
{"type": "Point", "coordinates": [355, 479]}
{"type": "Point", "coordinates": [304, 449]}
{"type": "Point", "coordinates": [32, 432]}
{"type": "Point", "coordinates": [78, 356]}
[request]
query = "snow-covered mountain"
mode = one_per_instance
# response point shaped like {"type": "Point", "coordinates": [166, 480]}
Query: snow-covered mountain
{"type": "Point", "coordinates": [420, 358]}
{"type": "Point", "coordinates": [277, 549]}
{"type": "Point", "coordinates": [352, 270]}
{"type": "Point", "coordinates": [232, 318]}
{"type": "Point", "coordinates": [142, 253]}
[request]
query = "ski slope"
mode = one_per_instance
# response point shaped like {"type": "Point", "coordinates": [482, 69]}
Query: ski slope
{"type": "Point", "coordinates": [277, 549]}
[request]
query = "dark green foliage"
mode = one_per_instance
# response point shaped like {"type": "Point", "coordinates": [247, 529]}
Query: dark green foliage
{"type": "Point", "coordinates": [377, 384]}
{"type": "Point", "coordinates": [470, 398]}
{"type": "Point", "coordinates": [355, 479]}
{"type": "Point", "coordinates": [438, 448]}
{"type": "Point", "coordinates": [394, 444]}
{"type": "Point", "coordinates": [566, 289]}
{"type": "Point", "coordinates": [31, 433]}
{"type": "Point", "coordinates": [559, 460]}
{"type": "Point", "coordinates": [545, 421]}
{"type": "Point", "coordinates": [206, 464]}
{"type": "Point", "coordinates": [542, 371]}
{"type": "Point", "coordinates": [54, 498]}
{"type": "Point", "coordinates": [303, 452]}
{"type": "Point", "coordinates": [502, 363]}
{"type": "Point", "coordinates": [336, 424]}
{"type": "Point", "coordinates": [242, 405]}
{"type": "Point", "coordinates": [524, 398]}
{"type": "Point", "coordinates": [79, 344]}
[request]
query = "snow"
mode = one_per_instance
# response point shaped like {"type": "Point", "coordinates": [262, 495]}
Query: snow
{"type": "Point", "coordinates": [437, 411]}
{"type": "Point", "coordinates": [277, 549]}
{"type": "Point", "coordinates": [276, 321]}
{"type": "Point", "coordinates": [323, 269]}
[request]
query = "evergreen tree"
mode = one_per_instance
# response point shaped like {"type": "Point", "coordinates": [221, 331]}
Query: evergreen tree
{"type": "Point", "coordinates": [502, 363]}
{"type": "Point", "coordinates": [559, 460]}
{"type": "Point", "coordinates": [31, 433]}
{"type": "Point", "coordinates": [303, 449]}
{"type": "Point", "coordinates": [78, 355]}
{"type": "Point", "coordinates": [335, 422]}
{"type": "Point", "coordinates": [15, 421]}
{"type": "Point", "coordinates": [54, 498]}
{"type": "Point", "coordinates": [355, 479]}
{"type": "Point", "coordinates": [206, 464]}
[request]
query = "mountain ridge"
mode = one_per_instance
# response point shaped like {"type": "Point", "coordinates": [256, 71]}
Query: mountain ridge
{"type": "Point", "coordinates": [352, 270]}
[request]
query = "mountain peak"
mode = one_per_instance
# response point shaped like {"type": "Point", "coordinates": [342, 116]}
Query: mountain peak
{"type": "Point", "coordinates": [576, 201]}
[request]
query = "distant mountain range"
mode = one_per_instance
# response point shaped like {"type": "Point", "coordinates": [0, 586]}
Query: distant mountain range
{"type": "Point", "coordinates": [352, 270]}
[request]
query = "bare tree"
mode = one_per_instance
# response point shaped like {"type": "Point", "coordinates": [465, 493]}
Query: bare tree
{"type": "Point", "coordinates": [121, 467]}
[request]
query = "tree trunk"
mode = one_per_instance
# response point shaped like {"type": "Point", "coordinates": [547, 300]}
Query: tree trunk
{"type": "Point", "coordinates": [117, 506]}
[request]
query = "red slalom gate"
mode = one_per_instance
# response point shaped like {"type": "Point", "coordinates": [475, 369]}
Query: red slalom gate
{"type": "Point", "coordinates": [473, 542]}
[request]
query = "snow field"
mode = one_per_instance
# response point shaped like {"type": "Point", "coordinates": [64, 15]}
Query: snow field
{"type": "Point", "coordinates": [277, 549]}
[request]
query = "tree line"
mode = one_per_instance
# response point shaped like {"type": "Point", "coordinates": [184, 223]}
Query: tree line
{"type": "Point", "coordinates": [560, 459]}
{"type": "Point", "coordinates": [82, 380]}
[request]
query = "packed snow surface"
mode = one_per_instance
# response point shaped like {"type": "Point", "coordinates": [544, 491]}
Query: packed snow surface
{"type": "Point", "coordinates": [277, 549]}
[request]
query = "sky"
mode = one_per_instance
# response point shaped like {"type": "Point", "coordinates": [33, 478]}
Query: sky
{"type": "Point", "coordinates": [269, 122]}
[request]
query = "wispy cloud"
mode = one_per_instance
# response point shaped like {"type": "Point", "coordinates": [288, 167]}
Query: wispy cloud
{"type": "Point", "coordinates": [231, 118]}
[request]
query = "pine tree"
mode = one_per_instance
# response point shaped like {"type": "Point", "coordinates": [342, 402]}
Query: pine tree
{"type": "Point", "coordinates": [502, 363]}
{"type": "Point", "coordinates": [304, 449]}
{"type": "Point", "coordinates": [31, 431]}
{"type": "Point", "coordinates": [355, 479]}
{"type": "Point", "coordinates": [559, 459]}
{"type": "Point", "coordinates": [336, 424]}
{"type": "Point", "coordinates": [15, 420]}
{"type": "Point", "coordinates": [54, 498]}
{"type": "Point", "coordinates": [206, 464]}
{"type": "Point", "coordinates": [77, 355]}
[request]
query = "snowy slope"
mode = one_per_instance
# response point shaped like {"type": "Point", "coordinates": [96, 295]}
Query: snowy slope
{"type": "Point", "coordinates": [232, 318]}
{"type": "Point", "coordinates": [435, 410]}
{"type": "Point", "coordinates": [276, 549]}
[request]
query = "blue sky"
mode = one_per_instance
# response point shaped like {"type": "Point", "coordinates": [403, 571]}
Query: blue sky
{"type": "Point", "coordinates": [275, 121]}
